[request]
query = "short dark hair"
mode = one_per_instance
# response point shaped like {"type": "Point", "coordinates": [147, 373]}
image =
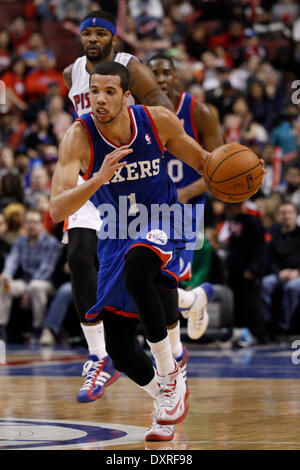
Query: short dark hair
{"type": "Point", "coordinates": [114, 68]}
{"type": "Point", "coordinates": [101, 14]}
{"type": "Point", "coordinates": [161, 56]}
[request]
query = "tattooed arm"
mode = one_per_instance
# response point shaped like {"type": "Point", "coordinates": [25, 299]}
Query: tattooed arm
{"type": "Point", "coordinates": [145, 88]}
{"type": "Point", "coordinates": [67, 76]}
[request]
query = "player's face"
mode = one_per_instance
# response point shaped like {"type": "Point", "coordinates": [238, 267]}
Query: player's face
{"type": "Point", "coordinates": [97, 43]}
{"type": "Point", "coordinates": [107, 97]}
{"type": "Point", "coordinates": [164, 73]}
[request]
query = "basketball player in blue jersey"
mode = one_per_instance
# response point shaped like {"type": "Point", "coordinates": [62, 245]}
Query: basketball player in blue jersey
{"type": "Point", "coordinates": [120, 150]}
{"type": "Point", "coordinates": [199, 123]}
{"type": "Point", "coordinates": [98, 38]}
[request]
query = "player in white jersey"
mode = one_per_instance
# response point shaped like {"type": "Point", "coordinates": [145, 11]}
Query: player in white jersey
{"type": "Point", "coordinates": [98, 38]}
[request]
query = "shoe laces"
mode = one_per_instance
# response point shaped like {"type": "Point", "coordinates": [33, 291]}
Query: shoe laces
{"type": "Point", "coordinates": [90, 370]}
{"type": "Point", "coordinates": [166, 394]}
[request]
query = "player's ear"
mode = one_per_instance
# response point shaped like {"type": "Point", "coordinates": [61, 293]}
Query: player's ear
{"type": "Point", "coordinates": [126, 96]}
{"type": "Point", "coordinates": [114, 40]}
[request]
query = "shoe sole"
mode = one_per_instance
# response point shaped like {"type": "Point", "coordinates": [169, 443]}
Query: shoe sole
{"type": "Point", "coordinates": [177, 420]}
{"type": "Point", "coordinates": [157, 437]}
{"type": "Point", "coordinates": [91, 398]}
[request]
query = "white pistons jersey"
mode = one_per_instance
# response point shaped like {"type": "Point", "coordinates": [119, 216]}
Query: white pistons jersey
{"type": "Point", "coordinates": [79, 92]}
{"type": "Point", "coordinates": [87, 216]}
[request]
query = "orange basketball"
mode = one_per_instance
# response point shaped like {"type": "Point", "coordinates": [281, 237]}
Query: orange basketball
{"type": "Point", "coordinates": [233, 173]}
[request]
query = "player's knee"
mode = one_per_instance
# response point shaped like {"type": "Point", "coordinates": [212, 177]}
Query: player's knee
{"type": "Point", "coordinates": [133, 276]}
{"type": "Point", "coordinates": [77, 259]}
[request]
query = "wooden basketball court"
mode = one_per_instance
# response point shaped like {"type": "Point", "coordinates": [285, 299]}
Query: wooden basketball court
{"type": "Point", "coordinates": [239, 399]}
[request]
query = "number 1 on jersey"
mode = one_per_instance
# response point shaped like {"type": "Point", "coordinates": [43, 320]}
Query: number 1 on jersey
{"type": "Point", "coordinates": [133, 209]}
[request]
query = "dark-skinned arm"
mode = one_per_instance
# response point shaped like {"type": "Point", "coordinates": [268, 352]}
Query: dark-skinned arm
{"type": "Point", "coordinates": [211, 138]}
{"type": "Point", "coordinates": [67, 76]}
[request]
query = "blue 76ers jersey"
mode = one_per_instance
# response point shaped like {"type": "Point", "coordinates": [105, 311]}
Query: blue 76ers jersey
{"type": "Point", "coordinates": [144, 175]}
{"type": "Point", "coordinates": [181, 173]}
{"type": "Point", "coordinates": [144, 180]}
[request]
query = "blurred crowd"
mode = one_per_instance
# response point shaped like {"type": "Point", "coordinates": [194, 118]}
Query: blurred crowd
{"type": "Point", "coordinates": [239, 57]}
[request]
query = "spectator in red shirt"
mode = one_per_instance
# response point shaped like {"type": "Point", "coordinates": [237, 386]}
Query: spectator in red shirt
{"type": "Point", "coordinates": [15, 84]}
{"type": "Point", "coordinates": [231, 40]}
{"type": "Point", "coordinates": [38, 80]}
{"type": "Point", "coordinates": [19, 35]}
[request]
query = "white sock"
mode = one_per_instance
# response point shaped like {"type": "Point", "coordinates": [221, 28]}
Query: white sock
{"type": "Point", "coordinates": [175, 341]}
{"type": "Point", "coordinates": [162, 354]}
{"type": "Point", "coordinates": [151, 388]}
{"type": "Point", "coordinates": [185, 298]}
{"type": "Point", "coordinates": [94, 335]}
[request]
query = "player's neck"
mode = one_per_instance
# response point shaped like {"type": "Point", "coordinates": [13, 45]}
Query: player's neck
{"type": "Point", "coordinates": [119, 131]}
{"type": "Point", "coordinates": [90, 65]}
{"type": "Point", "coordinates": [175, 98]}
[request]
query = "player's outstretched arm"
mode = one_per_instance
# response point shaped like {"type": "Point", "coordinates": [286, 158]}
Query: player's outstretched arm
{"type": "Point", "coordinates": [75, 155]}
{"type": "Point", "coordinates": [145, 87]}
{"type": "Point", "coordinates": [176, 140]}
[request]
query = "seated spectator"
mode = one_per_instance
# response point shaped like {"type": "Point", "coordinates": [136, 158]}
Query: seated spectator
{"type": "Point", "coordinates": [291, 186]}
{"type": "Point", "coordinates": [11, 190]}
{"type": "Point", "coordinates": [73, 10]}
{"type": "Point", "coordinates": [285, 136]}
{"type": "Point", "coordinates": [232, 128]}
{"type": "Point", "coordinates": [37, 46]}
{"type": "Point", "coordinates": [36, 253]}
{"type": "Point", "coordinates": [50, 156]}
{"type": "Point", "coordinates": [14, 214]}
{"type": "Point", "coordinates": [41, 104]}
{"type": "Point", "coordinates": [231, 39]}
{"type": "Point", "coordinates": [37, 81]}
{"type": "Point", "coordinates": [284, 267]}
{"type": "Point", "coordinates": [251, 46]}
{"type": "Point", "coordinates": [196, 40]}
{"type": "Point", "coordinates": [38, 186]}
{"type": "Point", "coordinates": [59, 118]}
{"type": "Point", "coordinates": [5, 51]}
{"type": "Point", "coordinates": [7, 160]}
{"type": "Point", "coordinates": [39, 10]}
{"type": "Point", "coordinates": [12, 128]}
{"type": "Point", "coordinates": [4, 245]}
{"type": "Point", "coordinates": [245, 263]}
{"type": "Point", "coordinates": [15, 85]}
{"type": "Point", "coordinates": [56, 314]}
{"type": "Point", "coordinates": [241, 109]}
{"type": "Point", "coordinates": [40, 134]}
{"type": "Point", "coordinates": [259, 105]}
{"type": "Point", "coordinates": [60, 303]}
{"type": "Point", "coordinates": [269, 184]}
{"type": "Point", "coordinates": [19, 35]}
{"type": "Point", "coordinates": [22, 166]}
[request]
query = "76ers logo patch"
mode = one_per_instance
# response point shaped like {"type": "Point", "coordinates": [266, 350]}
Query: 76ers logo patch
{"type": "Point", "coordinates": [157, 236]}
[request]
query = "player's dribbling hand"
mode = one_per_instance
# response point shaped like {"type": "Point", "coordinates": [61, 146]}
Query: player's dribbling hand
{"type": "Point", "coordinates": [111, 163]}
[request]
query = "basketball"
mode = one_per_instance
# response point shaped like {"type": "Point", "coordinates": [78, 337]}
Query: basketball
{"type": "Point", "coordinates": [233, 173]}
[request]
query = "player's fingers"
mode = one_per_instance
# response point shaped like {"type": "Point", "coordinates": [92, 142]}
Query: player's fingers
{"type": "Point", "coordinates": [119, 165]}
{"type": "Point", "coordinates": [262, 162]}
{"type": "Point", "coordinates": [120, 154]}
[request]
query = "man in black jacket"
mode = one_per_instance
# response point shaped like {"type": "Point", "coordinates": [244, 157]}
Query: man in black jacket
{"type": "Point", "coordinates": [245, 262]}
{"type": "Point", "coordinates": [284, 277]}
